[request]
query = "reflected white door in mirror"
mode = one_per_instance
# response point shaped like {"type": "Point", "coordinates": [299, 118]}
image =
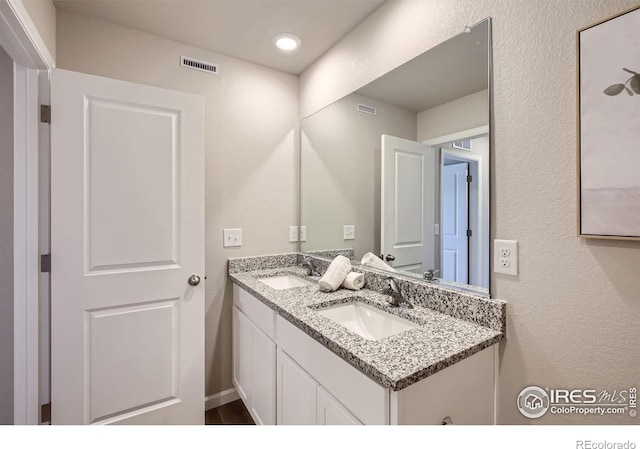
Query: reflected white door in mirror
{"type": "Point", "coordinates": [408, 204]}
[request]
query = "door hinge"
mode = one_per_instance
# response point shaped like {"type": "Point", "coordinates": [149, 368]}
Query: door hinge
{"type": "Point", "coordinates": [469, 178]}
{"type": "Point", "coordinates": [45, 413]}
{"type": "Point", "coordinates": [45, 113]}
{"type": "Point", "coordinates": [45, 263]}
{"type": "Point", "coordinates": [469, 232]}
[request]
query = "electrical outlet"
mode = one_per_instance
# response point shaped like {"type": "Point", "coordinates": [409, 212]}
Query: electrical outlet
{"type": "Point", "coordinates": [505, 257]}
{"type": "Point", "coordinates": [349, 232]}
{"type": "Point", "coordinates": [303, 233]}
{"type": "Point", "coordinates": [232, 237]}
{"type": "Point", "coordinates": [293, 233]}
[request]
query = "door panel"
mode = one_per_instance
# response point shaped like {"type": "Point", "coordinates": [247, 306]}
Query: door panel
{"type": "Point", "coordinates": [131, 225]}
{"type": "Point", "coordinates": [455, 222]}
{"type": "Point", "coordinates": [116, 344]}
{"type": "Point", "coordinates": [127, 230]}
{"type": "Point", "coordinates": [408, 203]}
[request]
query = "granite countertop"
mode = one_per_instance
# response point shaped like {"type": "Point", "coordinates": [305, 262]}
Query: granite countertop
{"type": "Point", "coordinates": [395, 362]}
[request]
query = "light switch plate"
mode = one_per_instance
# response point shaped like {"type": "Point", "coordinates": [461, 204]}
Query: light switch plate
{"type": "Point", "coordinates": [349, 232]}
{"type": "Point", "coordinates": [232, 237]}
{"type": "Point", "coordinates": [303, 233]}
{"type": "Point", "coordinates": [505, 257]}
{"type": "Point", "coordinates": [293, 233]}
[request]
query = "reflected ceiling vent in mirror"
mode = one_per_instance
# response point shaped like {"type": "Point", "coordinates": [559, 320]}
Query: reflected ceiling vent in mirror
{"type": "Point", "coordinates": [366, 109]}
{"type": "Point", "coordinates": [201, 66]}
{"type": "Point", "coordinates": [462, 144]}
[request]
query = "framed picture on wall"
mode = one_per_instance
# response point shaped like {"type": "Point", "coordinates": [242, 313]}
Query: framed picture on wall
{"type": "Point", "coordinates": [609, 128]}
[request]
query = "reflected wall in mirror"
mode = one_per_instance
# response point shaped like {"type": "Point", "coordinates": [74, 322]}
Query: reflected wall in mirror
{"type": "Point", "coordinates": [405, 161]}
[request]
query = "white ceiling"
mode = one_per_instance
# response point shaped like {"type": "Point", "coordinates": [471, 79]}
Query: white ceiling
{"type": "Point", "coordinates": [239, 28]}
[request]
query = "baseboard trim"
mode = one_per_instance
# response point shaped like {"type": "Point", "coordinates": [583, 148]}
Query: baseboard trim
{"type": "Point", "coordinates": [218, 399]}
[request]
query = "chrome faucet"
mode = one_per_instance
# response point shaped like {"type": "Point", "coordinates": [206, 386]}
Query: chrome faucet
{"type": "Point", "coordinates": [397, 300]}
{"type": "Point", "coordinates": [312, 270]}
{"type": "Point", "coordinates": [429, 274]}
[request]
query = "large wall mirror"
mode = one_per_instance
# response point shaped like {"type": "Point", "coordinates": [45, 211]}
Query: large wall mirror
{"type": "Point", "coordinates": [400, 167]}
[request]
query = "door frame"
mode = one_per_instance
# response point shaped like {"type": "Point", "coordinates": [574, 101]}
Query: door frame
{"type": "Point", "coordinates": [474, 168]}
{"type": "Point", "coordinates": [474, 159]}
{"type": "Point", "coordinates": [23, 43]}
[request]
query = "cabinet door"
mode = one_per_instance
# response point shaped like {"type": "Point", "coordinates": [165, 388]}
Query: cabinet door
{"type": "Point", "coordinates": [296, 402]}
{"type": "Point", "coordinates": [263, 400]}
{"type": "Point", "coordinates": [254, 368]}
{"type": "Point", "coordinates": [242, 356]}
{"type": "Point", "coordinates": [330, 412]}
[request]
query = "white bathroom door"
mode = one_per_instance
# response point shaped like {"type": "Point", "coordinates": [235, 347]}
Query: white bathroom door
{"type": "Point", "coordinates": [408, 197]}
{"type": "Point", "coordinates": [127, 231]}
{"type": "Point", "coordinates": [455, 222]}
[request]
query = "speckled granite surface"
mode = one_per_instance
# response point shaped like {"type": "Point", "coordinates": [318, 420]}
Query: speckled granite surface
{"type": "Point", "coordinates": [346, 252]}
{"type": "Point", "coordinates": [240, 264]}
{"type": "Point", "coordinates": [394, 362]}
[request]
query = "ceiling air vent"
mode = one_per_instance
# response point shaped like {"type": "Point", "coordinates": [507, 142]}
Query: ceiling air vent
{"type": "Point", "coordinates": [202, 66]}
{"type": "Point", "coordinates": [366, 109]}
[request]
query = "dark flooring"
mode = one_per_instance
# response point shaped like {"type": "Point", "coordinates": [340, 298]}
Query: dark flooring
{"type": "Point", "coordinates": [232, 413]}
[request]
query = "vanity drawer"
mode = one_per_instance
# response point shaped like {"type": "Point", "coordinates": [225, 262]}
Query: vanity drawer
{"type": "Point", "coordinates": [262, 315]}
{"type": "Point", "coordinates": [367, 400]}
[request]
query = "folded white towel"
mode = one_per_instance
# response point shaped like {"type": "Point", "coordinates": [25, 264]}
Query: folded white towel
{"type": "Point", "coordinates": [371, 260]}
{"type": "Point", "coordinates": [335, 274]}
{"type": "Point", "coordinates": [353, 281]}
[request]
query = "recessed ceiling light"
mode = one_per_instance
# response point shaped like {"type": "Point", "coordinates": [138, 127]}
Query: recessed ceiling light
{"type": "Point", "coordinates": [286, 41]}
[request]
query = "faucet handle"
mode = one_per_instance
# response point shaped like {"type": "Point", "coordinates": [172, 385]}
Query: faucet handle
{"type": "Point", "coordinates": [391, 287]}
{"type": "Point", "coordinates": [429, 274]}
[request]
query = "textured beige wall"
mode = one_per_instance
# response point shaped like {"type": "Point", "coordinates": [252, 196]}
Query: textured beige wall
{"type": "Point", "coordinates": [250, 166]}
{"type": "Point", "coordinates": [340, 172]}
{"type": "Point", "coordinates": [43, 15]}
{"type": "Point", "coordinates": [6, 238]}
{"type": "Point", "coordinates": [574, 309]}
{"type": "Point", "coordinates": [462, 114]}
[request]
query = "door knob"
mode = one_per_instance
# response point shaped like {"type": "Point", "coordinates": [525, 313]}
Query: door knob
{"type": "Point", "coordinates": [389, 258]}
{"type": "Point", "coordinates": [194, 280]}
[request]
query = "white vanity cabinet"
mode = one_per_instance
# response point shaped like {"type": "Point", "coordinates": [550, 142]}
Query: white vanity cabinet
{"type": "Point", "coordinates": [254, 356]}
{"type": "Point", "coordinates": [330, 412]}
{"type": "Point", "coordinates": [297, 380]}
{"type": "Point", "coordinates": [296, 398]}
{"type": "Point", "coordinates": [301, 400]}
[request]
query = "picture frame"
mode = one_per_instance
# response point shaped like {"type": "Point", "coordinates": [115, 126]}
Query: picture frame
{"type": "Point", "coordinates": [608, 131]}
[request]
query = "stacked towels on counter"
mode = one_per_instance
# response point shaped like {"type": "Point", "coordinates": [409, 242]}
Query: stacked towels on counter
{"type": "Point", "coordinates": [373, 261]}
{"type": "Point", "coordinates": [339, 274]}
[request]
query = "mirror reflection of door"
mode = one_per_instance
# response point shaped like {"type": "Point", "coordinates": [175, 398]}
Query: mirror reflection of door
{"type": "Point", "coordinates": [464, 210]}
{"type": "Point", "coordinates": [455, 221]}
{"type": "Point", "coordinates": [408, 195]}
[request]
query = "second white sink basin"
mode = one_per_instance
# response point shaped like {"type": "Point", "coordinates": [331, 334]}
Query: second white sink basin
{"type": "Point", "coordinates": [367, 321]}
{"type": "Point", "coordinates": [285, 281]}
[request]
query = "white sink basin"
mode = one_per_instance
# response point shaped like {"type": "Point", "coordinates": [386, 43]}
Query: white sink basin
{"type": "Point", "coordinates": [367, 321]}
{"type": "Point", "coordinates": [285, 281]}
